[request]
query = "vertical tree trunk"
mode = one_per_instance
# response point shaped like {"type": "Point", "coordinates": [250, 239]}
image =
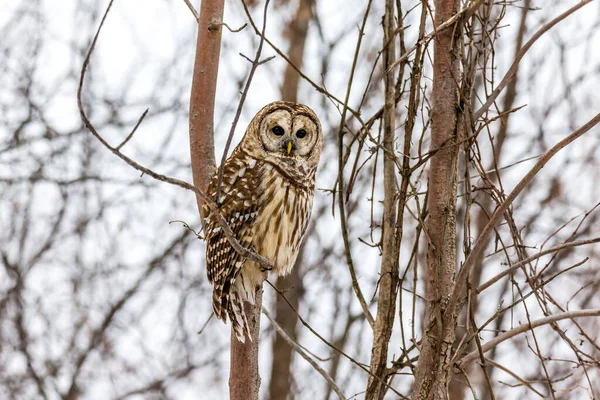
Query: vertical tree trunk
{"type": "Point", "coordinates": [281, 377]}
{"type": "Point", "coordinates": [204, 87]}
{"type": "Point", "coordinates": [432, 377]}
{"type": "Point", "coordinates": [388, 283]}
{"type": "Point", "coordinates": [244, 381]}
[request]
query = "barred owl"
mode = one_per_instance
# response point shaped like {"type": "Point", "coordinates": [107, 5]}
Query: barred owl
{"type": "Point", "coordinates": [266, 198]}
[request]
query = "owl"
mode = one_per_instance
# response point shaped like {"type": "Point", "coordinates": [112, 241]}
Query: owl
{"type": "Point", "coordinates": [266, 198]}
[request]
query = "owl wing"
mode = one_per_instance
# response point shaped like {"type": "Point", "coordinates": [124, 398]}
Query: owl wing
{"type": "Point", "coordinates": [238, 206]}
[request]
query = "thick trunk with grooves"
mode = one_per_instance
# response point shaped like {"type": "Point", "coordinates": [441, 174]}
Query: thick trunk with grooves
{"type": "Point", "coordinates": [388, 284]}
{"type": "Point", "coordinates": [432, 375]}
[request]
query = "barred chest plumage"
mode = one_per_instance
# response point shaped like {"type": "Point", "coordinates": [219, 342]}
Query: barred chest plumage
{"type": "Point", "coordinates": [285, 207]}
{"type": "Point", "coordinates": [265, 198]}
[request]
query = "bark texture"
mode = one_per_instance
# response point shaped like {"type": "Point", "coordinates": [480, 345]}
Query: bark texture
{"type": "Point", "coordinates": [388, 284]}
{"type": "Point", "coordinates": [244, 379]}
{"type": "Point", "coordinates": [432, 375]}
{"type": "Point", "coordinates": [204, 87]}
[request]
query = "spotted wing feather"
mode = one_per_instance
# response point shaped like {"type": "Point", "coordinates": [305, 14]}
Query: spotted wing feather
{"type": "Point", "coordinates": [238, 205]}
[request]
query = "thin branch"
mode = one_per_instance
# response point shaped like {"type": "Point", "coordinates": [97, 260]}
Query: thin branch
{"type": "Point", "coordinates": [255, 64]}
{"type": "Point", "coordinates": [527, 260]}
{"type": "Point", "coordinates": [515, 65]}
{"type": "Point", "coordinates": [527, 327]}
{"type": "Point", "coordinates": [517, 377]}
{"type": "Point", "coordinates": [300, 351]}
{"type": "Point", "coordinates": [128, 138]}
{"type": "Point", "coordinates": [163, 178]}
{"type": "Point", "coordinates": [481, 242]}
{"type": "Point", "coordinates": [192, 9]}
{"type": "Point", "coordinates": [340, 179]}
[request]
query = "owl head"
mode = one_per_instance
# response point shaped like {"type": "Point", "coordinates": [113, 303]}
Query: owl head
{"type": "Point", "coordinates": [287, 134]}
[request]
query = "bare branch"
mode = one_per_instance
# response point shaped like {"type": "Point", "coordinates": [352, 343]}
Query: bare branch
{"type": "Point", "coordinates": [304, 355]}
{"type": "Point", "coordinates": [542, 253]}
{"type": "Point", "coordinates": [192, 9]}
{"type": "Point", "coordinates": [515, 65]}
{"type": "Point", "coordinates": [207, 200]}
{"type": "Point", "coordinates": [481, 242]}
{"type": "Point", "coordinates": [527, 327]}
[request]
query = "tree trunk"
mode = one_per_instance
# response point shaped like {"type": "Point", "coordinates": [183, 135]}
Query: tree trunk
{"type": "Point", "coordinates": [204, 87]}
{"type": "Point", "coordinates": [388, 284]}
{"type": "Point", "coordinates": [432, 375]}
{"type": "Point", "coordinates": [244, 380]}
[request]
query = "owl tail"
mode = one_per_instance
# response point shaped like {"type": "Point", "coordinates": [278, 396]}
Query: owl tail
{"type": "Point", "coordinates": [238, 318]}
{"type": "Point", "coordinates": [227, 301]}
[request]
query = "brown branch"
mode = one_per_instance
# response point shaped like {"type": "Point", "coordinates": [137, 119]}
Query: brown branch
{"type": "Point", "coordinates": [340, 179]}
{"type": "Point", "coordinates": [304, 355]}
{"type": "Point", "coordinates": [202, 100]}
{"type": "Point", "coordinates": [481, 242]}
{"type": "Point", "coordinates": [527, 327]}
{"type": "Point", "coordinates": [431, 376]}
{"type": "Point", "coordinates": [389, 275]}
{"type": "Point", "coordinates": [515, 65]}
{"type": "Point", "coordinates": [527, 260]}
{"type": "Point", "coordinates": [244, 377]}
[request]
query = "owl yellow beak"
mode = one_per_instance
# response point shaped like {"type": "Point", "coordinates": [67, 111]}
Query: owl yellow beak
{"type": "Point", "coordinates": [289, 147]}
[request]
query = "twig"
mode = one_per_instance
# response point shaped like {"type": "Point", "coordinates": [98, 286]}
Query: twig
{"type": "Point", "coordinates": [515, 65]}
{"type": "Point", "coordinates": [527, 327]}
{"type": "Point", "coordinates": [192, 9]}
{"type": "Point", "coordinates": [230, 29]}
{"type": "Point", "coordinates": [516, 265]}
{"type": "Point", "coordinates": [188, 227]}
{"type": "Point", "coordinates": [133, 130]}
{"type": "Point", "coordinates": [255, 64]}
{"type": "Point", "coordinates": [481, 242]}
{"type": "Point", "coordinates": [511, 373]}
{"type": "Point", "coordinates": [207, 200]}
{"type": "Point", "coordinates": [340, 178]}
{"type": "Point", "coordinates": [299, 350]}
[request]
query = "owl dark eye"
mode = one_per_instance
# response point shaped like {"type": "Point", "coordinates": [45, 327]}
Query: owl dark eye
{"type": "Point", "coordinates": [301, 134]}
{"type": "Point", "coordinates": [277, 130]}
